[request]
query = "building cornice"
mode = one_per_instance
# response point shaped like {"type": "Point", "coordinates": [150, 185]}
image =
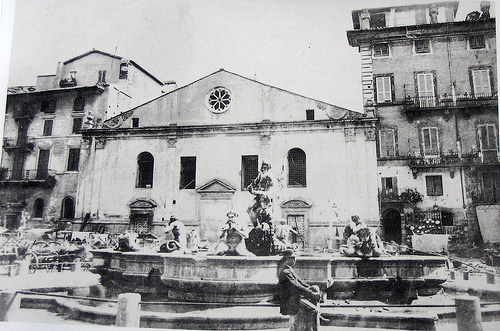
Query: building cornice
{"type": "Point", "coordinates": [358, 37]}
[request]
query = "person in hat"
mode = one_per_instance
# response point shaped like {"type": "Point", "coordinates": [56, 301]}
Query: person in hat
{"type": "Point", "coordinates": [232, 237]}
{"type": "Point", "coordinates": [291, 288]}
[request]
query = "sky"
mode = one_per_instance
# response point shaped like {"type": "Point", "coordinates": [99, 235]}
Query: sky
{"type": "Point", "coordinates": [297, 45]}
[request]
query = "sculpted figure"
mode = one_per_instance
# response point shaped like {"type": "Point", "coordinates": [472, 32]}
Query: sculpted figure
{"type": "Point", "coordinates": [232, 237]}
{"type": "Point", "coordinates": [361, 241]}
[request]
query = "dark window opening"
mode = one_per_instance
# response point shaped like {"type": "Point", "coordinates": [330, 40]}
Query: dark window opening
{"type": "Point", "coordinates": [38, 208]}
{"type": "Point", "coordinates": [47, 127]}
{"type": "Point", "coordinates": [249, 169]}
{"type": "Point", "coordinates": [422, 46]}
{"type": "Point", "coordinates": [188, 172]}
{"type": "Point", "coordinates": [381, 49]}
{"type": "Point", "coordinates": [145, 166]}
{"type": "Point", "coordinates": [77, 124]}
{"type": "Point", "coordinates": [389, 186]}
{"type": "Point", "coordinates": [297, 167]}
{"type": "Point", "coordinates": [135, 122]}
{"type": "Point", "coordinates": [48, 106]}
{"type": "Point", "coordinates": [310, 114]}
{"type": "Point", "coordinates": [42, 170]}
{"type": "Point", "coordinates": [446, 218]}
{"type": "Point", "coordinates": [491, 187]}
{"type": "Point", "coordinates": [73, 159]}
{"type": "Point", "coordinates": [68, 208]}
{"type": "Point", "coordinates": [434, 185]}
{"type": "Point", "coordinates": [123, 71]}
{"type": "Point", "coordinates": [477, 42]}
{"type": "Point", "coordinates": [101, 76]}
{"type": "Point", "coordinates": [79, 104]}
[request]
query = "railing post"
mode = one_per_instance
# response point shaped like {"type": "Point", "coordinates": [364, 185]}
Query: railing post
{"type": "Point", "coordinates": [9, 303]}
{"type": "Point", "coordinates": [128, 310]}
{"type": "Point", "coordinates": [468, 313]}
{"type": "Point", "coordinates": [490, 277]}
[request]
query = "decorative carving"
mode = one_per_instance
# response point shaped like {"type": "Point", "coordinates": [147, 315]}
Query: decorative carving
{"type": "Point", "coordinates": [370, 134]}
{"type": "Point", "coordinates": [143, 203]}
{"type": "Point", "coordinates": [172, 142]}
{"type": "Point", "coordinates": [100, 142]}
{"type": "Point", "coordinates": [117, 121]}
{"type": "Point", "coordinates": [350, 134]}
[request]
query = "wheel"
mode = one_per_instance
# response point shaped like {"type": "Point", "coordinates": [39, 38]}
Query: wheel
{"type": "Point", "coordinates": [40, 248]}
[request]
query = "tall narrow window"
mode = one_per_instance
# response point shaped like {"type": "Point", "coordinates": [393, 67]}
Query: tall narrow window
{"type": "Point", "coordinates": [77, 124]}
{"type": "Point", "coordinates": [297, 167]}
{"type": "Point", "coordinates": [188, 172]}
{"type": "Point", "coordinates": [389, 186]}
{"type": "Point", "coordinates": [73, 159]}
{"type": "Point", "coordinates": [68, 208]}
{"type": "Point", "coordinates": [487, 137]}
{"type": "Point", "coordinates": [47, 127]}
{"type": "Point", "coordinates": [42, 170]}
{"type": "Point", "coordinates": [383, 86]}
{"type": "Point", "coordinates": [387, 143]}
{"type": "Point", "coordinates": [123, 70]}
{"type": "Point", "coordinates": [481, 83]}
{"type": "Point", "coordinates": [249, 170]}
{"type": "Point", "coordinates": [38, 208]}
{"type": "Point", "coordinates": [310, 114]}
{"type": "Point", "coordinates": [145, 165]}
{"type": "Point", "coordinates": [101, 78]}
{"type": "Point", "coordinates": [79, 104]}
{"type": "Point", "coordinates": [425, 85]}
{"type": "Point", "coordinates": [491, 187]}
{"type": "Point", "coordinates": [434, 185]}
{"type": "Point", "coordinates": [430, 141]}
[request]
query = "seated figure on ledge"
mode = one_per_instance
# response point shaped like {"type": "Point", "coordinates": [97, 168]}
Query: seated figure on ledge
{"type": "Point", "coordinates": [260, 240]}
{"type": "Point", "coordinates": [232, 237]}
{"type": "Point", "coordinates": [282, 234]}
{"type": "Point", "coordinates": [361, 241]}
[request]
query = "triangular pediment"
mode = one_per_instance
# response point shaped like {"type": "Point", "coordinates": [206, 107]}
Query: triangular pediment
{"type": "Point", "coordinates": [143, 203]}
{"type": "Point", "coordinates": [216, 185]}
{"type": "Point", "coordinates": [295, 204]}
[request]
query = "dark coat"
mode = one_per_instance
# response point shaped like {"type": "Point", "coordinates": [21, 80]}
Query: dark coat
{"type": "Point", "coordinates": [290, 289]}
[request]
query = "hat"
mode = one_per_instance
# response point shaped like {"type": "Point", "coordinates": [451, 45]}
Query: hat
{"type": "Point", "coordinates": [289, 253]}
{"type": "Point", "coordinates": [231, 213]}
{"type": "Point", "coordinates": [172, 219]}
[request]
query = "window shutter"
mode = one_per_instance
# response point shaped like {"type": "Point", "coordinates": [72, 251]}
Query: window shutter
{"type": "Point", "coordinates": [387, 144]}
{"type": "Point", "coordinates": [384, 93]}
{"type": "Point", "coordinates": [481, 83]}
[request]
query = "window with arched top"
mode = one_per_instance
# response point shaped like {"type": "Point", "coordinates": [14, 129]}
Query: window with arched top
{"type": "Point", "coordinates": [145, 166]}
{"type": "Point", "coordinates": [296, 168]}
{"type": "Point", "coordinates": [38, 208]}
{"type": "Point", "coordinates": [68, 208]}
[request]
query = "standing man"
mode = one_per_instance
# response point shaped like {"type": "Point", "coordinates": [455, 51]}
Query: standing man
{"type": "Point", "coordinates": [291, 288]}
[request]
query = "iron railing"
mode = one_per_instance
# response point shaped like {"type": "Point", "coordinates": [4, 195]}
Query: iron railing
{"type": "Point", "coordinates": [453, 159]}
{"type": "Point", "coordinates": [446, 101]}
{"type": "Point", "coordinates": [26, 175]}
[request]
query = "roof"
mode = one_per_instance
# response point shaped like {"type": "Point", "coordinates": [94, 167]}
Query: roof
{"type": "Point", "coordinates": [95, 51]}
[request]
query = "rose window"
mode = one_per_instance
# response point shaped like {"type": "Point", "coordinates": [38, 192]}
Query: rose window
{"type": "Point", "coordinates": [219, 100]}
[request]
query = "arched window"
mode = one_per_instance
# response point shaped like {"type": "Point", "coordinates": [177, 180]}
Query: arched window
{"type": "Point", "coordinates": [38, 208]}
{"type": "Point", "coordinates": [145, 165]}
{"type": "Point", "coordinates": [68, 208]}
{"type": "Point", "coordinates": [296, 167]}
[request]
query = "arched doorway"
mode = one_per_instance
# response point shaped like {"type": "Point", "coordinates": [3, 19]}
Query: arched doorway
{"type": "Point", "coordinates": [391, 226]}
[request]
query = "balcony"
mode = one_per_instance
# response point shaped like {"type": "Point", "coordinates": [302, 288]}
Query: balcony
{"type": "Point", "coordinates": [453, 159]}
{"type": "Point", "coordinates": [10, 146]}
{"type": "Point", "coordinates": [32, 177]}
{"type": "Point", "coordinates": [447, 101]}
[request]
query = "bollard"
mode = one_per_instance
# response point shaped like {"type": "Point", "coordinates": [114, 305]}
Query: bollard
{"type": "Point", "coordinates": [23, 267]}
{"type": "Point", "coordinates": [307, 317]}
{"type": "Point", "coordinates": [452, 275]}
{"type": "Point", "coordinates": [465, 275]}
{"type": "Point", "coordinates": [468, 314]}
{"type": "Point", "coordinates": [76, 266]}
{"type": "Point", "coordinates": [9, 303]}
{"type": "Point", "coordinates": [490, 278]}
{"type": "Point", "coordinates": [128, 310]}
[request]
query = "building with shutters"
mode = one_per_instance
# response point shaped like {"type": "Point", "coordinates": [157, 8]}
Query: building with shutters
{"type": "Point", "coordinates": [431, 79]}
{"type": "Point", "coordinates": [41, 144]}
{"type": "Point", "coordinates": [192, 153]}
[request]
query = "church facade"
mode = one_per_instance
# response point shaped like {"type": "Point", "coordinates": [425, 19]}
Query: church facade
{"type": "Point", "coordinates": [193, 151]}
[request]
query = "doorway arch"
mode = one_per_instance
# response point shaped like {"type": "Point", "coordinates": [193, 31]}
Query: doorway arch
{"type": "Point", "coordinates": [391, 226]}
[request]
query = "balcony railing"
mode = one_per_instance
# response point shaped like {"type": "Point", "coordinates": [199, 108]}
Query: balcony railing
{"type": "Point", "coordinates": [476, 158]}
{"type": "Point", "coordinates": [26, 175]}
{"type": "Point", "coordinates": [447, 101]}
